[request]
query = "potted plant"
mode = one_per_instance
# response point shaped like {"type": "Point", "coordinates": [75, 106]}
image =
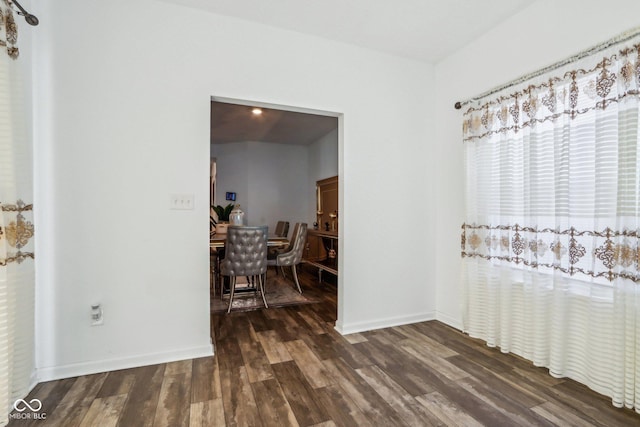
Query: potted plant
{"type": "Point", "coordinates": [223, 217]}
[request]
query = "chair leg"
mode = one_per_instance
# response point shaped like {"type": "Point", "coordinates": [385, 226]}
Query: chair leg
{"type": "Point", "coordinates": [212, 281]}
{"type": "Point", "coordinates": [295, 278]}
{"type": "Point", "coordinates": [261, 284]}
{"type": "Point", "coordinates": [219, 279]}
{"type": "Point", "coordinates": [232, 290]}
{"type": "Point", "coordinates": [213, 275]}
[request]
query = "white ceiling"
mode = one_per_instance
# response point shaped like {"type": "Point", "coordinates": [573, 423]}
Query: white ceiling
{"type": "Point", "coordinates": [236, 123]}
{"type": "Point", "coordinates": [426, 30]}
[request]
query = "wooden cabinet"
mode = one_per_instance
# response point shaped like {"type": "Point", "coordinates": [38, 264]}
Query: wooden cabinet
{"type": "Point", "coordinates": [322, 250]}
{"type": "Point", "coordinates": [327, 204]}
{"type": "Point", "coordinates": [322, 242]}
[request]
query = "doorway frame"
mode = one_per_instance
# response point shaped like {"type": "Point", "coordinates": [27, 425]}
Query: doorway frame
{"type": "Point", "coordinates": [341, 168]}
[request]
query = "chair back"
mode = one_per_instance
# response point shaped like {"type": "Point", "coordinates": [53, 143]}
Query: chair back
{"type": "Point", "coordinates": [282, 228]}
{"type": "Point", "coordinates": [296, 249]}
{"type": "Point", "coordinates": [245, 251]}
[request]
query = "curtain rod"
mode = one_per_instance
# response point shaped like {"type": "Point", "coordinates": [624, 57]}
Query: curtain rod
{"type": "Point", "coordinates": [31, 19]}
{"type": "Point", "coordinates": [627, 35]}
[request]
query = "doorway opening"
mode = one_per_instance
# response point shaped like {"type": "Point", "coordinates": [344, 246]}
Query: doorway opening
{"type": "Point", "coordinates": [268, 159]}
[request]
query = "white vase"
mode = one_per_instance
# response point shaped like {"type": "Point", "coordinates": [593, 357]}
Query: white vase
{"type": "Point", "coordinates": [221, 228]}
{"type": "Point", "coordinates": [236, 217]}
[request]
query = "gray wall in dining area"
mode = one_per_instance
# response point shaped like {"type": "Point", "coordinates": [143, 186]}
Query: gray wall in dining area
{"type": "Point", "coordinates": [274, 181]}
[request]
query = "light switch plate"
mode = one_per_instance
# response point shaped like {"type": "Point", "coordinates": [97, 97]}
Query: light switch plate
{"type": "Point", "coordinates": [181, 201]}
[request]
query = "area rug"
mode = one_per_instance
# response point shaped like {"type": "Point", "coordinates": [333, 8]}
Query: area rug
{"type": "Point", "coordinates": [279, 293]}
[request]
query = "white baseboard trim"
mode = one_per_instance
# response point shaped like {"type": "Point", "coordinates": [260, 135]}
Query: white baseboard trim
{"type": "Point", "coordinates": [94, 367]}
{"type": "Point", "coordinates": [352, 328]}
{"type": "Point", "coordinates": [454, 322]}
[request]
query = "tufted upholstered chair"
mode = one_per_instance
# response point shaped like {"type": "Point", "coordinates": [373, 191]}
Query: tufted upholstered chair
{"type": "Point", "coordinates": [293, 255]}
{"type": "Point", "coordinates": [282, 228]}
{"type": "Point", "coordinates": [245, 255]}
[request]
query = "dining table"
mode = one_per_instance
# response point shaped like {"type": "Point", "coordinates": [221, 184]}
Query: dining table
{"type": "Point", "coordinates": [217, 241]}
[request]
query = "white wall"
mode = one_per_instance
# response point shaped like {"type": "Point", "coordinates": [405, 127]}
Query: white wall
{"type": "Point", "coordinates": [323, 163]}
{"type": "Point", "coordinates": [270, 180]}
{"type": "Point", "coordinates": [323, 157]}
{"type": "Point", "coordinates": [123, 97]}
{"type": "Point", "coordinates": [232, 163]}
{"type": "Point", "coordinates": [546, 32]}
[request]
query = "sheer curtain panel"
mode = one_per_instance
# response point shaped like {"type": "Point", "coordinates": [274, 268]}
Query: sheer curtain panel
{"type": "Point", "coordinates": [16, 227]}
{"type": "Point", "coordinates": [550, 238]}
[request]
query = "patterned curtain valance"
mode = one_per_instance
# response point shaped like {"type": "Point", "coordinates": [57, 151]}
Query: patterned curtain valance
{"type": "Point", "coordinates": [8, 30]}
{"type": "Point", "coordinates": [571, 93]}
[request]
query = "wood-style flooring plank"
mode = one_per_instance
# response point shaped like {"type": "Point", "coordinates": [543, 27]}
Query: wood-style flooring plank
{"type": "Point", "coordinates": [240, 408]}
{"type": "Point", "coordinates": [492, 380]}
{"type": "Point", "coordinates": [446, 411]}
{"type": "Point", "coordinates": [274, 348]}
{"type": "Point", "coordinates": [140, 408]}
{"type": "Point", "coordinates": [400, 366]}
{"type": "Point", "coordinates": [315, 325]}
{"type": "Point", "coordinates": [419, 339]}
{"type": "Point", "coordinates": [402, 402]}
{"type": "Point", "coordinates": [50, 399]}
{"type": "Point", "coordinates": [332, 345]}
{"type": "Point", "coordinates": [507, 405]}
{"type": "Point", "coordinates": [558, 415]}
{"type": "Point", "coordinates": [355, 338]}
{"type": "Point", "coordinates": [205, 381]}
{"type": "Point", "coordinates": [255, 361]}
{"type": "Point", "coordinates": [424, 355]}
{"type": "Point", "coordinates": [117, 382]}
{"type": "Point", "coordinates": [346, 351]}
{"type": "Point", "coordinates": [207, 413]}
{"type": "Point", "coordinates": [258, 320]}
{"type": "Point", "coordinates": [325, 424]}
{"type": "Point", "coordinates": [75, 404]}
{"type": "Point", "coordinates": [299, 394]}
{"type": "Point", "coordinates": [288, 328]}
{"type": "Point", "coordinates": [273, 405]}
{"type": "Point", "coordinates": [344, 411]}
{"type": "Point", "coordinates": [104, 412]}
{"type": "Point", "coordinates": [374, 406]}
{"type": "Point", "coordinates": [174, 401]}
{"type": "Point", "coordinates": [596, 407]}
{"type": "Point", "coordinates": [308, 363]}
{"type": "Point", "coordinates": [179, 367]}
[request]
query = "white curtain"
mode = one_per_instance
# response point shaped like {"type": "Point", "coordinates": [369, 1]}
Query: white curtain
{"type": "Point", "coordinates": [550, 239]}
{"type": "Point", "coordinates": [16, 227]}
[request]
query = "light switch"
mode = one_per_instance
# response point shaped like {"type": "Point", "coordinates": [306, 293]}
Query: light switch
{"type": "Point", "coordinates": [181, 201]}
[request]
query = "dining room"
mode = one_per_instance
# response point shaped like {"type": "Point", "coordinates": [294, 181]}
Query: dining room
{"type": "Point", "coordinates": [266, 163]}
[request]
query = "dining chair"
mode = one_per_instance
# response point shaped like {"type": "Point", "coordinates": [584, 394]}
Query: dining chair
{"type": "Point", "coordinates": [282, 228]}
{"type": "Point", "coordinates": [293, 256]}
{"type": "Point", "coordinates": [245, 255]}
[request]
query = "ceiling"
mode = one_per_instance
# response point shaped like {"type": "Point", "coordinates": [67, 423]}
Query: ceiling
{"type": "Point", "coordinates": [423, 30]}
{"type": "Point", "coordinates": [237, 123]}
{"type": "Point", "coordinates": [426, 30]}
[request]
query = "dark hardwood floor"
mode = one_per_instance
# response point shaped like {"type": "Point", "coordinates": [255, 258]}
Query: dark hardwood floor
{"type": "Point", "coordinates": [288, 366]}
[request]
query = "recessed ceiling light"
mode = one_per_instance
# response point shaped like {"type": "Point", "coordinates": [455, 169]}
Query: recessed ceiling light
{"type": "Point", "coordinates": [256, 111]}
